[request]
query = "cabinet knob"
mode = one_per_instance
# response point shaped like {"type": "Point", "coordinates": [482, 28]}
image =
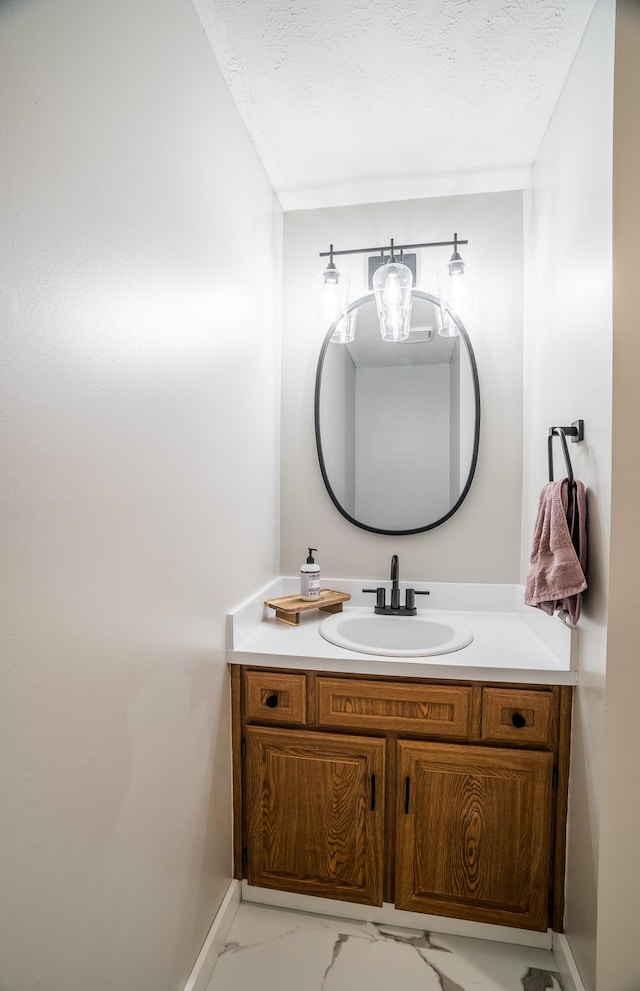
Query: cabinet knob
{"type": "Point", "coordinates": [272, 701]}
{"type": "Point", "coordinates": [518, 720]}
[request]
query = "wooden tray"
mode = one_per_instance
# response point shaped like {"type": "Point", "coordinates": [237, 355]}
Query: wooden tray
{"type": "Point", "coordinates": [289, 607]}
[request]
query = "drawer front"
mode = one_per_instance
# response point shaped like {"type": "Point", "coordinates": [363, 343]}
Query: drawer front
{"type": "Point", "coordinates": [431, 710]}
{"type": "Point", "coordinates": [274, 697]}
{"type": "Point", "coordinates": [517, 716]}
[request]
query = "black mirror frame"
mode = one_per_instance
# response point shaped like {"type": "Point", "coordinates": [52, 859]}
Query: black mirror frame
{"type": "Point", "coordinates": [476, 437]}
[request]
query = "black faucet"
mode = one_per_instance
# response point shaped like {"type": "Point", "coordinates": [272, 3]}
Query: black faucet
{"type": "Point", "coordinates": [395, 609]}
{"type": "Point", "coordinates": [395, 587]}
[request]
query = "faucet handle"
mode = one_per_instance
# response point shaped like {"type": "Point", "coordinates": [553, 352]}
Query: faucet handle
{"type": "Point", "coordinates": [410, 598]}
{"type": "Point", "coordinates": [381, 596]}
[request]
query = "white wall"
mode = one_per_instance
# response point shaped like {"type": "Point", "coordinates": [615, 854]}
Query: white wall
{"type": "Point", "coordinates": [567, 360]}
{"type": "Point", "coordinates": [139, 365]}
{"type": "Point", "coordinates": [481, 542]}
{"type": "Point", "coordinates": [618, 962]}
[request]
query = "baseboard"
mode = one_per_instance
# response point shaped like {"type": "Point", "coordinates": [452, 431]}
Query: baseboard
{"type": "Point", "coordinates": [388, 915]}
{"type": "Point", "coordinates": [203, 967]}
{"type": "Point", "coordinates": [566, 963]}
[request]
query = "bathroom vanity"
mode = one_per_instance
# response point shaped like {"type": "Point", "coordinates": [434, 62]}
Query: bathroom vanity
{"type": "Point", "coordinates": [440, 789]}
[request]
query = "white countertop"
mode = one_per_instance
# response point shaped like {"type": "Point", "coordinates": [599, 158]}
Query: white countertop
{"type": "Point", "coordinates": [511, 642]}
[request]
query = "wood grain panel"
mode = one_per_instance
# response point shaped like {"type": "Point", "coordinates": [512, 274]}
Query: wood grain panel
{"type": "Point", "coordinates": [431, 710]}
{"type": "Point", "coordinates": [311, 827]}
{"type": "Point", "coordinates": [288, 691]}
{"type": "Point", "coordinates": [561, 802]}
{"type": "Point", "coordinates": [501, 706]}
{"type": "Point", "coordinates": [475, 841]}
{"type": "Point", "coordinates": [236, 744]}
{"type": "Point", "coordinates": [390, 820]}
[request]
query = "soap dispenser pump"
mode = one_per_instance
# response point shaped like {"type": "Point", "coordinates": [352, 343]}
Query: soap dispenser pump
{"type": "Point", "coordinates": [310, 578]}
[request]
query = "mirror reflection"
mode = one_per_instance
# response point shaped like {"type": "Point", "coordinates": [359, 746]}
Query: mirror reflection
{"type": "Point", "coordinates": [397, 424]}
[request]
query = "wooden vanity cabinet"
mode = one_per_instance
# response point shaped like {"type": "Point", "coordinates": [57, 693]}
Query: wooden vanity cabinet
{"type": "Point", "coordinates": [442, 798]}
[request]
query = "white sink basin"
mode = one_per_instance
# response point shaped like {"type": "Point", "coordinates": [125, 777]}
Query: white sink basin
{"type": "Point", "coordinates": [395, 636]}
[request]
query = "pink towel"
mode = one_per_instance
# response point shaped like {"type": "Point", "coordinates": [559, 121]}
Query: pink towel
{"type": "Point", "coordinates": [559, 551]}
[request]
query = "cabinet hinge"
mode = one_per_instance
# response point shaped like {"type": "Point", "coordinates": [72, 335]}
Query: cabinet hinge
{"type": "Point", "coordinates": [244, 858]}
{"type": "Point", "coordinates": [550, 904]}
{"type": "Point", "coordinates": [554, 779]}
{"type": "Point", "coordinates": [243, 747]}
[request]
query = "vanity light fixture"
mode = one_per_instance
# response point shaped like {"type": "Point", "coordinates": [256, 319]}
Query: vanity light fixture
{"type": "Point", "coordinates": [331, 291]}
{"type": "Point", "coordinates": [392, 283]}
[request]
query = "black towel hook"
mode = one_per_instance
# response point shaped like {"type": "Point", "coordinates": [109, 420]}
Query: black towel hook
{"type": "Point", "coordinates": [576, 432]}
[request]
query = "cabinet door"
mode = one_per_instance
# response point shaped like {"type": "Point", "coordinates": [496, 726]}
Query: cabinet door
{"type": "Point", "coordinates": [314, 813]}
{"type": "Point", "coordinates": [474, 833]}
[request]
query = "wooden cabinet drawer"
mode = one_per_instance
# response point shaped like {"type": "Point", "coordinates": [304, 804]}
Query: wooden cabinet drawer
{"type": "Point", "coordinates": [275, 697]}
{"type": "Point", "coordinates": [518, 716]}
{"type": "Point", "coordinates": [432, 710]}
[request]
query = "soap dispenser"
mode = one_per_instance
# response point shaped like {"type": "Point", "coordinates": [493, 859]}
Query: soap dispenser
{"type": "Point", "coordinates": [310, 578]}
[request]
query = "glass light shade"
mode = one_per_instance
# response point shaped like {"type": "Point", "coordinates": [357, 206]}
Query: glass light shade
{"type": "Point", "coordinates": [445, 324]}
{"type": "Point", "coordinates": [392, 285]}
{"type": "Point", "coordinates": [456, 289]}
{"type": "Point", "coordinates": [448, 328]}
{"type": "Point", "coordinates": [345, 328]}
{"type": "Point", "coordinates": [331, 290]}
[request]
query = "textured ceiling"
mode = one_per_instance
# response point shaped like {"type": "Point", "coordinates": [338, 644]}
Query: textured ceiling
{"type": "Point", "coordinates": [361, 100]}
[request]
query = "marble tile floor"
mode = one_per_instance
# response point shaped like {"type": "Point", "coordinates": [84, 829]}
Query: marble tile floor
{"type": "Point", "coordinates": [272, 949]}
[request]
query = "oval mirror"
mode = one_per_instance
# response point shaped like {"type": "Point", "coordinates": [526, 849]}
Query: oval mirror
{"type": "Point", "coordinates": [397, 424]}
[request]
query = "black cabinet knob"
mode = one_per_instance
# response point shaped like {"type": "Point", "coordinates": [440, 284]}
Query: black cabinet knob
{"type": "Point", "coordinates": [271, 701]}
{"type": "Point", "coordinates": [518, 720]}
